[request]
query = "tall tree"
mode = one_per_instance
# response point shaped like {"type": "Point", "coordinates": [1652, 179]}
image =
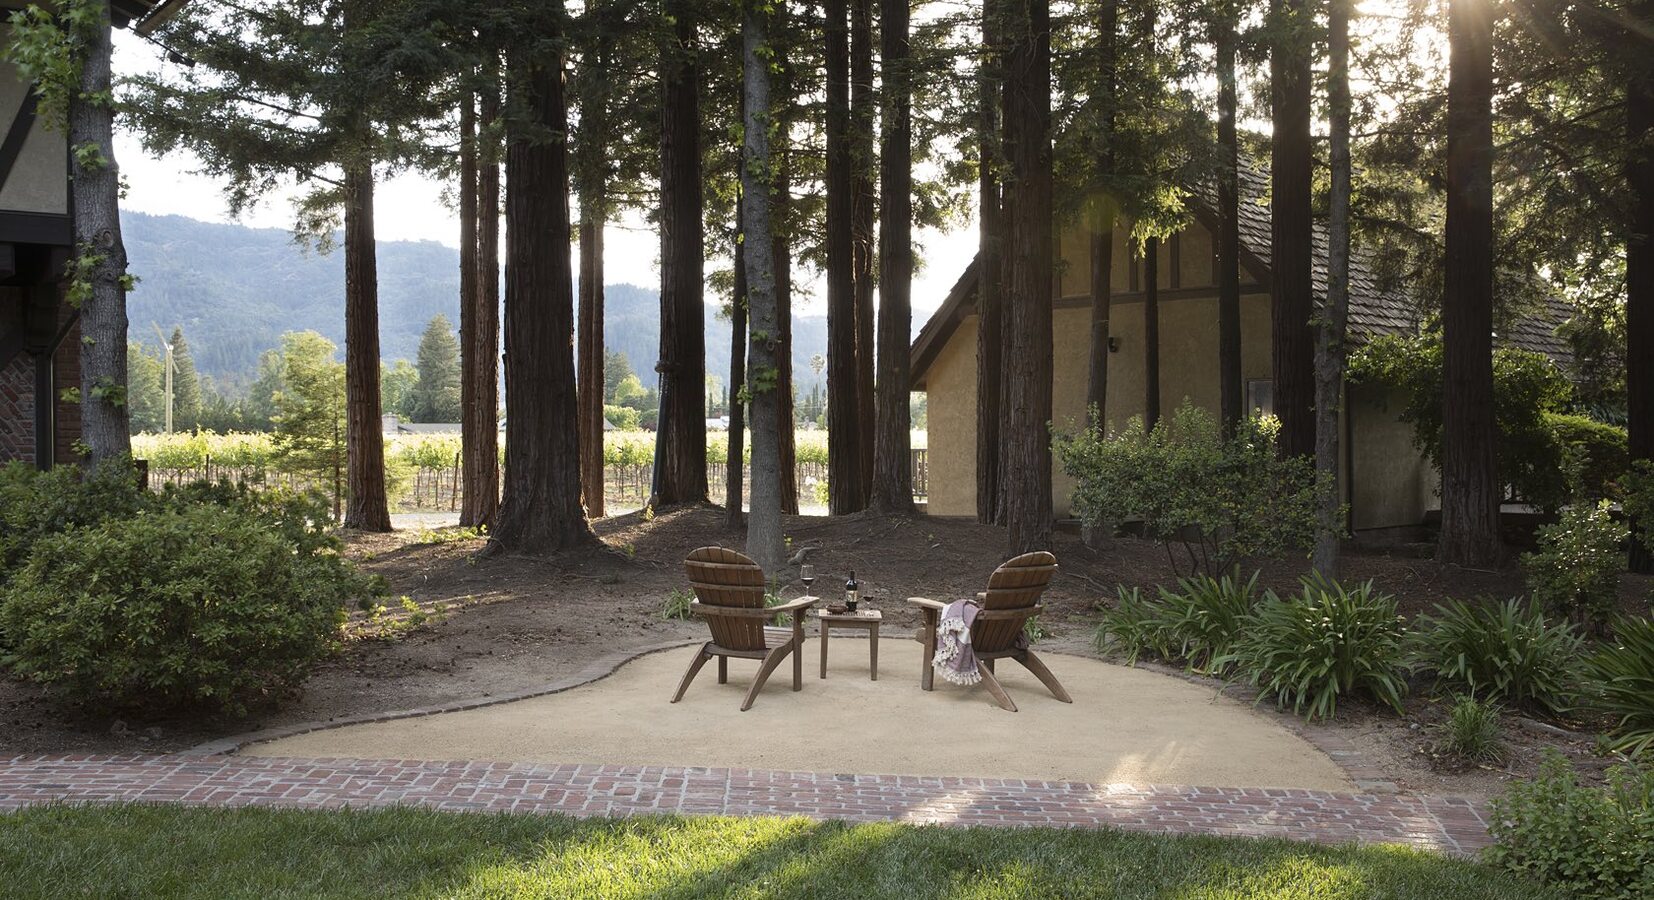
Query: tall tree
{"type": "Point", "coordinates": [1470, 477]}
{"type": "Point", "coordinates": [892, 466]}
{"type": "Point", "coordinates": [784, 216]}
{"type": "Point", "coordinates": [480, 417]}
{"type": "Point", "coordinates": [186, 384]}
{"type": "Point", "coordinates": [735, 462]}
{"type": "Point", "coordinates": [1292, 294]}
{"type": "Point", "coordinates": [764, 539]}
{"type": "Point", "coordinates": [367, 507]}
{"type": "Point", "coordinates": [1330, 323]}
{"type": "Point", "coordinates": [541, 510]}
{"type": "Point", "coordinates": [680, 441]}
{"type": "Point", "coordinates": [1026, 471]}
{"type": "Point", "coordinates": [1639, 268]}
{"type": "Point", "coordinates": [1104, 208]}
{"type": "Point", "coordinates": [862, 217]}
{"type": "Point", "coordinates": [990, 305]}
{"type": "Point", "coordinates": [437, 392]}
{"type": "Point", "coordinates": [844, 475]}
{"type": "Point", "coordinates": [309, 419]}
{"type": "Point", "coordinates": [1231, 389]}
{"type": "Point", "coordinates": [479, 312]}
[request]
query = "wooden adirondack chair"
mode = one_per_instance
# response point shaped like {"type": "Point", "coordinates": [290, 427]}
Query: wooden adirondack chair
{"type": "Point", "coordinates": [1012, 598]}
{"type": "Point", "coordinates": [729, 592]}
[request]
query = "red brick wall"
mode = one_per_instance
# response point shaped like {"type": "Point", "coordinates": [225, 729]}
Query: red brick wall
{"type": "Point", "coordinates": [17, 403]}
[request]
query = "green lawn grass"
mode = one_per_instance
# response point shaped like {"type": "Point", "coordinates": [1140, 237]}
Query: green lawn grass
{"type": "Point", "coordinates": [157, 851]}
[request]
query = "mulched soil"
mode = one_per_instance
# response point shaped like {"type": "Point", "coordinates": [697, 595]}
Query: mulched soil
{"type": "Point", "coordinates": [506, 623]}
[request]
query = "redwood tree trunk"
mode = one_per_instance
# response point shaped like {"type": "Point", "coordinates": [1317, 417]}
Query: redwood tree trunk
{"type": "Point", "coordinates": [483, 467]}
{"type": "Point", "coordinates": [541, 511]}
{"type": "Point", "coordinates": [844, 475]}
{"type": "Point", "coordinates": [680, 441]}
{"type": "Point", "coordinates": [1329, 333]}
{"type": "Point", "coordinates": [1103, 217]}
{"type": "Point", "coordinates": [366, 508]}
{"type": "Point", "coordinates": [764, 540]}
{"type": "Point", "coordinates": [1231, 389]}
{"type": "Point", "coordinates": [863, 216]}
{"type": "Point", "coordinates": [990, 270]}
{"type": "Point", "coordinates": [479, 341]}
{"type": "Point", "coordinates": [1470, 478]}
{"type": "Point", "coordinates": [893, 439]}
{"type": "Point", "coordinates": [1639, 278]}
{"type": "Point", "coordinates": [1291, 291]}
{"type": "Point", "coordinates": [1151, 332]}
{"type": "Point", "coordinates": [1028, 365]}
{"type": "Point", "coordinates": [589, 366]}
{"type": "Point", "coordinates": [783, 227]}
{"type": "Point", "coordinates": [95, 200]}
{"type": "Point", "coordinates": [735, 464]}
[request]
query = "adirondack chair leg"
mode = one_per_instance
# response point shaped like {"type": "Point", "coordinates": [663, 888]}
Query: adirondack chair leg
{"type": "Point", "coordinates": [927, 672]}
{"type": "Point", "coordinates": [723, 670]}
{"type": "Point", "coordinates": [993, 686]}
{"type": "Point", "coordinates": [701, 656]}
{"type": "Point", "coordinates": [798, 653]}
{"type": "Point", "coordinates": [1033, 664]}
{"type": "Point", "coordinates": [771, 661]}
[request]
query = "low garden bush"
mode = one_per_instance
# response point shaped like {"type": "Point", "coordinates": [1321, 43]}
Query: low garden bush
{"type": "Point", "coordinates": [1594, 843]}
{"type": "Point", "coordinates": [1624, 672]}
{"type": "Point", "coordinates": [1471, 733]}
{"type": "Point", "coordinates": [1576, 569]}
{"type": "Point", "coordinates": [1197, 623]}
{"type": "Point", "coordinates": [1219, 500]}
{"type": "Point", "coordinates": [1502, 652]}
{"type": "Point", "coordinates": [208, 596]}
{"type": "Point", "coordinates": [1312, 648]}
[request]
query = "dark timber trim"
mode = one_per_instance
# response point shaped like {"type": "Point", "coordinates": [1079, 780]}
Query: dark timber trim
{"type": "Point", "coordinates": [36, 228]}
{"type": "Point", "coordinates": [18, 134]}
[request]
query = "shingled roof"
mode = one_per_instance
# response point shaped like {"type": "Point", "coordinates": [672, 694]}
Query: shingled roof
{"type": "Point", "coordinates": [1374, 309]}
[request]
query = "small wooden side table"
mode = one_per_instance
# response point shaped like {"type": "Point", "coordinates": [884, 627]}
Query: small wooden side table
{"type": "Point", "coordinates": [866, 619]}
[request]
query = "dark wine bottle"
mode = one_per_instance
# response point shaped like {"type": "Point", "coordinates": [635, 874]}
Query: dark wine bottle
{"type": "Point", "coordinates": [852, 592]}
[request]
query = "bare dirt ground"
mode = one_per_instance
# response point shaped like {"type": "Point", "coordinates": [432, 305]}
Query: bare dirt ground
{"type": "Point", "coordinates": [510, 623]}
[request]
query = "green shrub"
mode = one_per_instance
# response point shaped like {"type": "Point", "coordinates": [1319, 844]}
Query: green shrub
{"type": "Point", "coordinates": [676, 605]}
{"type": "Point", "coordinates": [1624, 670]}
{"type": "Point", "coordinates": [1196, 624]}
{"type": "Point", "coordinates": [1221, 500]}
{"type": "Point", "coordinates": [1325, 642]}
{"type": "Point", "coordinates": [1134, 626]}
{"type": "Point", "coordinates": [1503, 652]}
{"type": "Point", "coordinates": [204, 606]}
{"type": "Point", "coordinates": [35, 504]}
{"type": "Point", "coordinates": [1576, 569]}
{"type": "Point", "coordinates": [1596, 451]}
{"type": "Point", "coordinates": [1637, 499]}
{"type": "Point", "coordinates": [1471, 732]}
{"type": "Point", "coordinates": [1592, 843]}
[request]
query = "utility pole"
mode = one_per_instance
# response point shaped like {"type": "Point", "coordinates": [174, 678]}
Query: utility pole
{"type": "Point", "coordinates": [167, 368]}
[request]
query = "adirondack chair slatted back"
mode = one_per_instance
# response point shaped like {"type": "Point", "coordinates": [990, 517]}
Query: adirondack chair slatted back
{"type": "Point", "coordinates": [1016, 584]}
{"type": "Point", "coordinates": [723, 577]}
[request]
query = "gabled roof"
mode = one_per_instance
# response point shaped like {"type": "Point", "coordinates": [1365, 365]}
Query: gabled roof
{"type": "Point", "coordinates": [1374, 309]}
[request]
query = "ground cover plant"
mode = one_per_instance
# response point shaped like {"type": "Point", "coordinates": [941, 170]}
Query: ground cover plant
{"type": "Point", "coordinates": [1502, 652]}
{"type": "Point", "coordinates": [1311, 648]}
{"type": "Point", "coordinates": [1576, 569]}
{"type": "Point", "coordinates": [1196, 623]}
{"type": "Point", "coordinates": [1471, 733]}
{"type": "Point", "coordinates": [1624, 671]}
{"type": "Point", "coordinates": [206, 853]}
{"type": "Point", "coordinates": [1593, 843]}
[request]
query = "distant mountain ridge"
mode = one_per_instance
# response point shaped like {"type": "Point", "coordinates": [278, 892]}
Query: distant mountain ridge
{"type": "Point", "coordinates": [236, 289]}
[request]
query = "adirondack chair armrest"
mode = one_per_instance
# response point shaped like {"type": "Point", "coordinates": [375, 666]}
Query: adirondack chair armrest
{"type": "Point", "coordinates": [926, 603]}
{"type": "Point", "coordinates": [801, 603]}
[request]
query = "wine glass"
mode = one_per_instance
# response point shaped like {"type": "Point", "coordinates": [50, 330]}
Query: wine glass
{"type": "Point", "coordinates": [807, 574]}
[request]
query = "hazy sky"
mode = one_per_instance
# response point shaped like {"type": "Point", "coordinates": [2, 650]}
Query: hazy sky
{"type": "Point", "coordinates": [409, 207]}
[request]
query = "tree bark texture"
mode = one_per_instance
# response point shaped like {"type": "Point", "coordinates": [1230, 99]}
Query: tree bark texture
{"type": "Point", "coordinates": [680, 441]}
{"type": "Point", "coordinates": [1028, 365]}
{"type": "Point", "coordinates": [1639, 278]}
{"type": "Point", "coordinates": [783, 229]}
{"type": "Point", "coordinates": [366, 507]}
{"type": "Point", "coordinates": [479, 353]}
{"type": "Point", "coordinates": [990, 306]}
{"type": "Point", "coordinates": [735, 463]}
{"type": "Point", "coordinates": [541, 512]}
{"type": "Point", "coordinates": [1231, 389]}
{"type": "Point", "coordinates": [1292, 293]}
{"type": "Point", "coordinates": [483, 464]}
{"type": "Point", "coordinates": [764, 540]}
{"type": "Point", "coordinates": [1151, 332]}
{"type": "Point", "coordinates": [1470, 478]}
{"type": "Point", "coordinates": [1330, 324]}
{"type": "Point", "coordinates": [95, 201]}
{"type": "Point", "coordinates": [844, 474]}
{"type": "Point", "coordinates": [893, 437]}
{"type": "Point", "coordinates": [589, 364]}
{"type": "Point", "coordinates": [863, 216]}
{"type": "Point", "coordinates": [1103, 216]}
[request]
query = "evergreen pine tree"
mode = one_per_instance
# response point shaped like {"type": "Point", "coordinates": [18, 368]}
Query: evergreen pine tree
{"type": "Point", "coordinates": [436, 395]}
{"type": "Point", "coordinates": [186, 385]}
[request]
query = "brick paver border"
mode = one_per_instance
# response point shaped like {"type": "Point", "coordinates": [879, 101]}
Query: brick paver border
{"type": "Point", "coordinates": [1450, 825]}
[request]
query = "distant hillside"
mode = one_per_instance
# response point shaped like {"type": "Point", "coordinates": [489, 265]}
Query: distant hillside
{"type": "Point", "coordinates": [235, 289]}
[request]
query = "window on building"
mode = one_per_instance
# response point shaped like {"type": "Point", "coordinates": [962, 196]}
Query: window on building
{"type": "Point", "coordinates": [1260, 396]}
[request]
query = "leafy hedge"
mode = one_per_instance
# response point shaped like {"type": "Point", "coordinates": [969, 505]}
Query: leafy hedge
{"type": "Point", "coordinates": [1593, 843]}
{"type": "Point", "coordinates": [205, 597]}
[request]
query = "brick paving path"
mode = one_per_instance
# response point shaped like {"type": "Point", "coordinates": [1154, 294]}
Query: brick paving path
{"type": "Point", "coordinates": [1450, 825]}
